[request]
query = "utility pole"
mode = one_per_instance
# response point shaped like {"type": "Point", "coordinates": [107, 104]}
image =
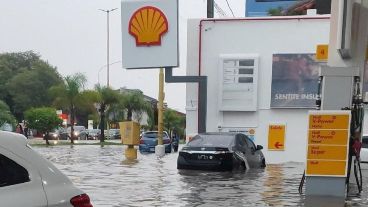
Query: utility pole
{"type": "Point", "coordinates": [160, 149]}
{"type": "Point", "coordinates": [108, 43]}
{"type": "Point", "coordinates": [210, 6]}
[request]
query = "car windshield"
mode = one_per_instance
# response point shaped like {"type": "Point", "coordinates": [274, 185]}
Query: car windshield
{"type": "Point", "coordinates": [114, 131]}
{"type": "Point", "coordinates": [211, 141]}
{"type": "Point", "coordinates": [153, 135]}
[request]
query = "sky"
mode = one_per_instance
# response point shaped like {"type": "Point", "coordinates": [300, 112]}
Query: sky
{"type": "Point", "coordinates": [71, 35]}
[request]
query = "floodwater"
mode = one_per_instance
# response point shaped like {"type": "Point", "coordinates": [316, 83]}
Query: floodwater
{"type": "Point", "coordinates": [110, 180]}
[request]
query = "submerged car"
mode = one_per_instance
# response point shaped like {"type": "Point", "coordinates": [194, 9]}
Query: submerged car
{"type": "Point", "coordinates": [27, 179]}
{"type": "Point", "coordinates": [93, 134]}
{"type": "Point", "coordinates": [220, 151]}
{"type": "Point", "coordinates": [114, 134]}
{"type": "Point", "coordinates": [59, 133]}
{"type": "Point", "coordinates": [79, 132]}
{"type": "Point", "coordinates": [149, 141]}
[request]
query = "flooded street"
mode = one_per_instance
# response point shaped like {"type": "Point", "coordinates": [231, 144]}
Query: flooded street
{"type": "Point", "coordinates": [110, 180]}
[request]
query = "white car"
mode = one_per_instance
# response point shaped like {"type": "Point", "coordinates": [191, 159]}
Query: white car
{"type": "Point", "coordinates": [364, 150]}
{"type": "Point", "coordinates": [27, 179]}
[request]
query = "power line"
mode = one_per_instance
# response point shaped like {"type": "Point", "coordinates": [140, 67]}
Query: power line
{"type": "Point", "coordinates": [228, 5]}
{"type": "Point", "coordinates": [219, 10]}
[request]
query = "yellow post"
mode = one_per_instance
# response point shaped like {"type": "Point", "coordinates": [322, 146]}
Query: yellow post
{"type": "Point", "coordinates": [129, 131]}
{"type": "Point", "coordinates": [160, 107]}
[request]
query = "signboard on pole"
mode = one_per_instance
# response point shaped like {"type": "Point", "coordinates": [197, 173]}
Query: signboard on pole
{"type": "Point", "coordinates": [276, 137]}
{"type": "Point", "coordinates": [149, 33]}
{"type": "Point", "coordinates": [328, 143]}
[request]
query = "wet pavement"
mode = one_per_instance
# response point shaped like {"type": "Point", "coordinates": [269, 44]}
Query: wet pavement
{"type": "Point", "coordinates": [110, 180]}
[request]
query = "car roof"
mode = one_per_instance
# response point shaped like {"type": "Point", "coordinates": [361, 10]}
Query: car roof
{"type": "Point", "coordinates": [220, 133]}
{"type": "Point", "coordinates": [12, 140]}
{"type": "Point", "coordinates": [17, 144]}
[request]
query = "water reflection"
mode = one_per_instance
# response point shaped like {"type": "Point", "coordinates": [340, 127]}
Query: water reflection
{"type": "Point", "coordinates": [111, 180]}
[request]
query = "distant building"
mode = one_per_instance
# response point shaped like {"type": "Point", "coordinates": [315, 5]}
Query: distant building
{"type": "Point", "coordinates": [143, 118]}
{"type": "Point", "coordinates": [259, 8]}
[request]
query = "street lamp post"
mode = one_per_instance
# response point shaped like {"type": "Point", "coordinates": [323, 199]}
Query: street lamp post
{"type": "Point", "coordinates": [107, 42]}
{"type": "Point", "coordinates": [98, 75]}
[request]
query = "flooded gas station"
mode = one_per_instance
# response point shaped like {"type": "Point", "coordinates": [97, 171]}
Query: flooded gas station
{"type": "Point", "coordinates": [111, 180]}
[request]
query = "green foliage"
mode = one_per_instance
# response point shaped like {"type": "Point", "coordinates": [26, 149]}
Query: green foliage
{"type": "Point", "coordinates": [24, 81]}
{"type": "Point", "coordinates": [275, 12]}
{"type": "Point", "coordinates": [133, 101]}
{"type": "Point", "coordinates": [69, 95]}
{"type": "Point", "coordinates": [173, 122]}
{"type": "Point", "coordinates": [42, 119]}
{"type": "Point", "coordinates": [5, 115]}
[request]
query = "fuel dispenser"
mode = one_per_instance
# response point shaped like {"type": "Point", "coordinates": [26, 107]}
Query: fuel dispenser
{"type": "Point", "coordinates": [355, 139]}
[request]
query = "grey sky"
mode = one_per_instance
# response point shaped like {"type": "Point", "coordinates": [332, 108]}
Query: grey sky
{"type": "Point", "coordinates": [71, 35]}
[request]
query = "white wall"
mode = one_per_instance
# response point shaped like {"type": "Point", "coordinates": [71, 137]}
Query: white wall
{"type": "Point", "coordinates": [265, 38]}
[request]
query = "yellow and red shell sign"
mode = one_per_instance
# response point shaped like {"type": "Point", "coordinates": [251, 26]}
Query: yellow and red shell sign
{"type": "Point", "coordinates": [147, 25]}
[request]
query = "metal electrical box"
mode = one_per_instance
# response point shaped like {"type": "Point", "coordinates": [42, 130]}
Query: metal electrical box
{"type": "Point", "coordinates": [238, 76]}
{"type": "Point", "coordinates": [129, 131]}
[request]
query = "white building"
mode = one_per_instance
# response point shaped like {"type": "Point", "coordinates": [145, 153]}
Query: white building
{"type": "Point", "coordinates": [255, 78]}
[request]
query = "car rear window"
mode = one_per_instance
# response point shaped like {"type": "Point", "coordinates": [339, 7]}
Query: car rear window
{"type": "Point", "coordinates": [153, 135]}
{"type": "Point", "coordinates": [211, 141]}
{"type": "Point", "coordinates": [11, 173]}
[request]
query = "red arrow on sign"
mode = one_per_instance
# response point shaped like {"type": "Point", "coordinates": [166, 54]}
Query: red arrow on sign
{"type": "Point", "coordinates": [278, 145]}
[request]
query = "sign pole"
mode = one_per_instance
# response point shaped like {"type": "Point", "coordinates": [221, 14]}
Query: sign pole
{"type": "Point", "coordinates": [160, 149]}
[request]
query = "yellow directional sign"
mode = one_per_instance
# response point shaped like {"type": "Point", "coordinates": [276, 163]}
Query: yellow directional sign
{"type": "Point", "coordinates": [276, 137]}
{"type": "Point", "coordinates": [328, 143]}
{"type": "Point", "coordinates": [322, 52]}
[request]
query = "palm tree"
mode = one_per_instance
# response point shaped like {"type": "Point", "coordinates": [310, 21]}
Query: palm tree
{"type": "Point", "coordinates": [106, 99]}
{"type": "Point", "coordinates": [70, 95]}
{"type": "Point", "coordinates": [173, 122]}
{"type": "Point", "coordinates": [133, 101]}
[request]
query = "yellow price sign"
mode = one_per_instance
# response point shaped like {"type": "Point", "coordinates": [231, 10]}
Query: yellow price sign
{"type": "Point", "coordinates": [328, 137]}
{"type": "Point", "coordinates": [326, 121]}
{"type": "Point", "coordinates": [325, 168]}
{"type": "Point", "coordinates": [322, 52]}
{"type": "Point", "coordinates": [326, 152]}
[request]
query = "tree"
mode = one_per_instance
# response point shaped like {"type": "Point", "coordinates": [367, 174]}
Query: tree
{"type": "Point", "coordinates": [43, 120]}
{"type": "Point", "coordinates": [24, 81]}
{"type": "Point", "coordinates": [173, 122]}
{"type": "Point", "coordinates": [133, 101]}
{"type": "Point", "coordinates": [5, 114]}
{"type": "Point", "coordinates": [70, 95]}
{"type": "Point", "coordinates": [105, 99]}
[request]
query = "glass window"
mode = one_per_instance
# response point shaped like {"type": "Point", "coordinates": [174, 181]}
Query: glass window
{"type": "Point", "coordinates": [243, 71]}
{"type": "Point", "coordinates": [365, 142]}
{"type": "Point", "coordinates": [245, 80]}
{"type": "Point", "coordinates": [249, 62]}
{"type": "Point", "coordinates": [208, 140]}
{"type": "Point", "coordinates": [11, 173]}
{"type": "Point", "coordinates": [250, 143]}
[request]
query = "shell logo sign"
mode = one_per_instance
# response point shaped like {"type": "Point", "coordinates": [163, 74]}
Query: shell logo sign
{"type": "Point", "coordinates": [147, 25]}
{"type": "Point", "coordinates": [150, 37]}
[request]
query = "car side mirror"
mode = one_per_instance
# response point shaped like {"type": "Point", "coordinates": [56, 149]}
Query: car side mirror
{"type": "Point", "coordinates": [259, 147]}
